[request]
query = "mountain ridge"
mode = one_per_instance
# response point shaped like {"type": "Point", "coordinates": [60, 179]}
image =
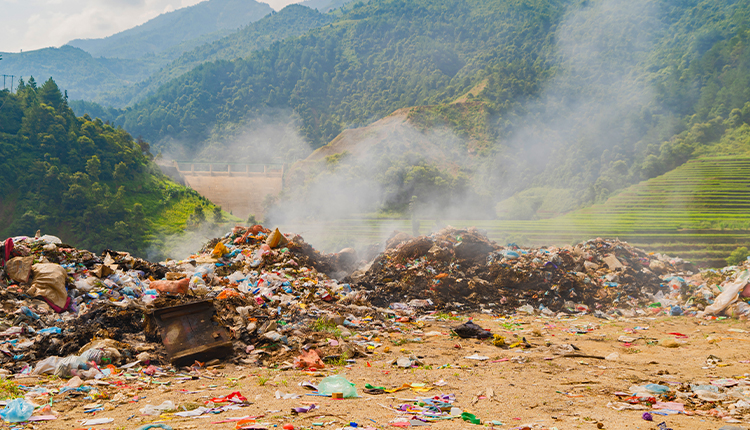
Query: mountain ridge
{"type": "Point", "coordinates": [204, 18]}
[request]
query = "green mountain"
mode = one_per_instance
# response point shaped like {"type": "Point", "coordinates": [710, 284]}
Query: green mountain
{"type": "Point", "coordinates": [584, 97]}
{"type": "Point", "coordinates": [696, 211]}
{"type": "Point", "coordinates": [171, 33]}
{"type": "Point", "coordinates": [376, 58]}
{"type": "Point", "coordinates": [292, 21]}
{"type": "Point", "coordinates": [85, 181]}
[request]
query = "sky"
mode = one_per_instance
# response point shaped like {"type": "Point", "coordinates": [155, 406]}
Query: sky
{"type": "Point", "coordinates": [35, 24]}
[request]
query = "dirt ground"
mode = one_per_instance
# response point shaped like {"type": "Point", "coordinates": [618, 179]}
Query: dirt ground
{"type": "Point", "coordinates": [533, 387]}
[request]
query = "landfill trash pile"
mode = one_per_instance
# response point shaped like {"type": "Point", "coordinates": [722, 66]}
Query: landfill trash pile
{"type": "Point", "coordinates": [712, 293]}
{"type": "Point", "coordinates": [70, 312]}
{"type": "Point", "coordinates": [462, 269]}
{"type": "Point", "coordinates": [255, 331]}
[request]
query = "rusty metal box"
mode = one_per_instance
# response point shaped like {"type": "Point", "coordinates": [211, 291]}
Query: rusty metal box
{"type": "Point", "coordinates": [190, 333]}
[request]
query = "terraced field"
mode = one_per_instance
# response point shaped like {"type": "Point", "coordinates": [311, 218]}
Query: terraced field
{"type": "Point", "coordinates": [699, 211]}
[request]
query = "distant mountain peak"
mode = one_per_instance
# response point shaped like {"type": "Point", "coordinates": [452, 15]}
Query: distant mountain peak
{"type": "Point", "coordinates": [175, 28]}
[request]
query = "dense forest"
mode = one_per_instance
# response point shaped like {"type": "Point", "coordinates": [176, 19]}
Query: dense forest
{"type": "Point", "coordinates": [375, 58]}
{"type": "Point", "coordinates": [79, 178]}
{"type": "Point", "coordinates": [292, 21]}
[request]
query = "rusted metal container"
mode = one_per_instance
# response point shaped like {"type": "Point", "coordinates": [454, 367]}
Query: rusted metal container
{"type": "Point", "coordinates": [190, 333]}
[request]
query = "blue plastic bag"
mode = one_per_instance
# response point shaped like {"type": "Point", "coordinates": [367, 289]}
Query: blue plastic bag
{"type": "Point", "coordinates": [16, 411]}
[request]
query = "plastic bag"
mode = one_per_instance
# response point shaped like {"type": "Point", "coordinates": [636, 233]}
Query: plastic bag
{"type": "Point", "coordinates": [276, 239]}
{"type": "Point", "coordinates": [337, 384]}
{"type": "Point", "coordinates": [158, 409]}
{"type": "Point", "coordinates": [648, 390]}
{"type": "Point", "coordinates": [17, 410]}
{"type": "Point", "coordinates": [85, 284]}
{"type": "Point", "coordinates": [68, 365]}
{"type": "Point", "coordinates": [172, 287]}
{"type": "Point", "coordinates": [729, 295]}
{"type": "Point", "coordinates": [46, 366]}
{"type": "Point", "coordinates": [219, 250]}
{"type": "Point", "coordinates": [93, 354]}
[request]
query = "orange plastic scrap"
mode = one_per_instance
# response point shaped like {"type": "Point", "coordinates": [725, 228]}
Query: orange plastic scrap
{"type": "Point", "coordinates": [243, 424]}
{"type": "Point", "coordinates": [227, 293]}
{"type": "Point", "coordinates": [441, 276]}
{"type": "Point", "coordinates": [405, 386]}
{"type": "Point", "coordinates": [257, 228]}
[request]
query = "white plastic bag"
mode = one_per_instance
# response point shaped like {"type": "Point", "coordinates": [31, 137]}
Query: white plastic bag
{"type": "Point", "coordinates": [729, 295]}
{"type": "Point", "coordinates": [69, 365]}
{"type": "Point", "coordinates": [158, 409]}
{"type": "Point", "coordinates": [46, 366]}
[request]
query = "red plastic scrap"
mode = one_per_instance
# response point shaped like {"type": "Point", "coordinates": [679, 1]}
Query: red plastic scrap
{"type": "Point", "coordinates": [234, 397]}
{"type": "Point", "coordinates": [634, 400]}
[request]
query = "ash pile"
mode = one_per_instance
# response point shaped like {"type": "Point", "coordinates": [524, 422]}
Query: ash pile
{"type": "Point", "coordinates": [463, 270]}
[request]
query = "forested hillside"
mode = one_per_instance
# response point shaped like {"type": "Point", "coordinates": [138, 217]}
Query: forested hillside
{"type": "Point", "coordinates": [292, 21]}
{"type": "Point", "coordinates": [376, 58]}
{"type": "Point", "coordinates": [85, 181]}
{"type": "Point", "coordinates": [586, 96]}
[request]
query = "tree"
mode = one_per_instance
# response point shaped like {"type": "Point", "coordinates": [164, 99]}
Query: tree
{"type": "Point", "coordinates": [218, 215]}
{"type": "Point", "coordinates": [120, 171]}
{"type": "Point", "coordinates": [198, 214]}
{"type": "Point", "coordinates": [49, 93]}
{"type": "Point", "coordinates": [93, 167]}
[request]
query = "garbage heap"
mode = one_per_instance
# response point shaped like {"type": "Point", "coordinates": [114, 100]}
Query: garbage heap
{"type": "Point", "coordinates": [66, 308]}
{"type": "Point", "coordinates": [463, 270]}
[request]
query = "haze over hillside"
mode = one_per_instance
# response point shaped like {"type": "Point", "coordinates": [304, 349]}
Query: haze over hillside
{"type": "Point", "coordinates": [586, 97]}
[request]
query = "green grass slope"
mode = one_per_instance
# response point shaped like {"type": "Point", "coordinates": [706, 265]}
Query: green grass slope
{"type": "Point", "coordinates": [697, 211]}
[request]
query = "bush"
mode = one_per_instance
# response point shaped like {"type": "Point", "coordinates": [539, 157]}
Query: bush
{"type": "Point", "coordinates": [738, 256]}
